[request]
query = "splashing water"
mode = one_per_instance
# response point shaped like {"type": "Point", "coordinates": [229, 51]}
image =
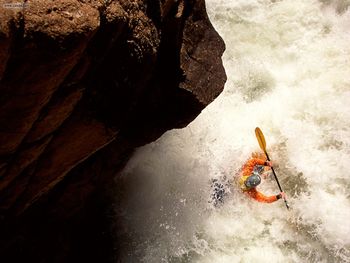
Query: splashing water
{"type": "Point", "coordinates": [288, 67]}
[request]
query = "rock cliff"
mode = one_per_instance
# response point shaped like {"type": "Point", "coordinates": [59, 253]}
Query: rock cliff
{"type": "Point", "coordinates": [82, 84]}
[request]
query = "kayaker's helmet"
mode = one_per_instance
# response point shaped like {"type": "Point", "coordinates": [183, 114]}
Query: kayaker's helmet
{"type": "Point", "coordinates": [253, 180]}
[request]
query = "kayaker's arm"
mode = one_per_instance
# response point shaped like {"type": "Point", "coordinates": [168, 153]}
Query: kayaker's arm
{"type": "Point", "coordinates": [261, 197]}
{"type": "Point", "coordinates": [249, 165]}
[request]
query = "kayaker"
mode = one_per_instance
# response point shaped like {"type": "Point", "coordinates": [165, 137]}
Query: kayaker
{"type": "Point", "coordinates": [250, 177]}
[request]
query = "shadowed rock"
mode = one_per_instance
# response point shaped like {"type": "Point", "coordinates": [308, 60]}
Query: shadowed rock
{"type": "Point", "coordinates": [82, 84]}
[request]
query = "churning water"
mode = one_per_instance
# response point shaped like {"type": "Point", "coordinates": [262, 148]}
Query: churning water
{"type": "Point", "coordinates": [288, 67]}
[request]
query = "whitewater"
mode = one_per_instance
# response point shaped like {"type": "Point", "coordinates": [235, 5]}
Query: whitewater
{"type": "Point", "coordinates": [288, 68]}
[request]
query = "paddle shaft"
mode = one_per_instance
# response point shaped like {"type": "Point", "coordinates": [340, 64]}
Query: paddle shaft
{"type": "Point", "coordinates": [273, 171]}
{"type": "Point", "coordinates": [262, 143]}
{"type": "Point", "coordinates": [278, 183]}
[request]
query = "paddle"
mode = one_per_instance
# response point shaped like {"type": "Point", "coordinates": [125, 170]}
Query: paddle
{"type": "Point", "coordinates": [262, 143]}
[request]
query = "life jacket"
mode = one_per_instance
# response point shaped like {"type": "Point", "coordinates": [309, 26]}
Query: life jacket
{"type": "Point", "coordinates": [241, 183]}
{"type": "Point", "coordinates": [246, 182]}
{"type": "Point", "coordinates": [252, 165]}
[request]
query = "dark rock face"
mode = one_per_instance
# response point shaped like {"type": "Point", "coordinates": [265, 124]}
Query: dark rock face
{"type": "Point", "coordinates": [82, 83]}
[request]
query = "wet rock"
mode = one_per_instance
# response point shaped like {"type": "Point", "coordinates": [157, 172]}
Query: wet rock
{"type": "Point", "coordinates": [82, 84]}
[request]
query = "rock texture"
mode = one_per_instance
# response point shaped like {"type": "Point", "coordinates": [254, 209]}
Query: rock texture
{"type": "Point", "coordinates": [82, 83]}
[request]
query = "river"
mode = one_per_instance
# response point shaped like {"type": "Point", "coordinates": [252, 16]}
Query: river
{"type": "Point", "coordinates": [288, 68]}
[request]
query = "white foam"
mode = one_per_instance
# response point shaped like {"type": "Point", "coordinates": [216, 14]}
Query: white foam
{"type": "Point", "coordinates": [288, 72]}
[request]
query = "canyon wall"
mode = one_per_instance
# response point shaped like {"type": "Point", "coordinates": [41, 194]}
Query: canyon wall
{"type": "Point", "coordinates": [82, 84]}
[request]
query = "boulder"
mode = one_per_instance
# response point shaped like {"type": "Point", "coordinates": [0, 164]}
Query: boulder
{"type": "Point", "coordinates": [82, 84]}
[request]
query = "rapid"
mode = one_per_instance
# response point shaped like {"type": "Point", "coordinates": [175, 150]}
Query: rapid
{"type": "Point", "coordinates": [288, 68]}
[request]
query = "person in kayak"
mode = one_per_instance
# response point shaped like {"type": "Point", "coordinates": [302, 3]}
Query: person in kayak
{"type": "Point", "coordinates": [250, 177]}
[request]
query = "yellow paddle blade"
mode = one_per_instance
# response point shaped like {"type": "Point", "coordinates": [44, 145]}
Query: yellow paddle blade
{"type": "Point", "coordinates": [261, 139]}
